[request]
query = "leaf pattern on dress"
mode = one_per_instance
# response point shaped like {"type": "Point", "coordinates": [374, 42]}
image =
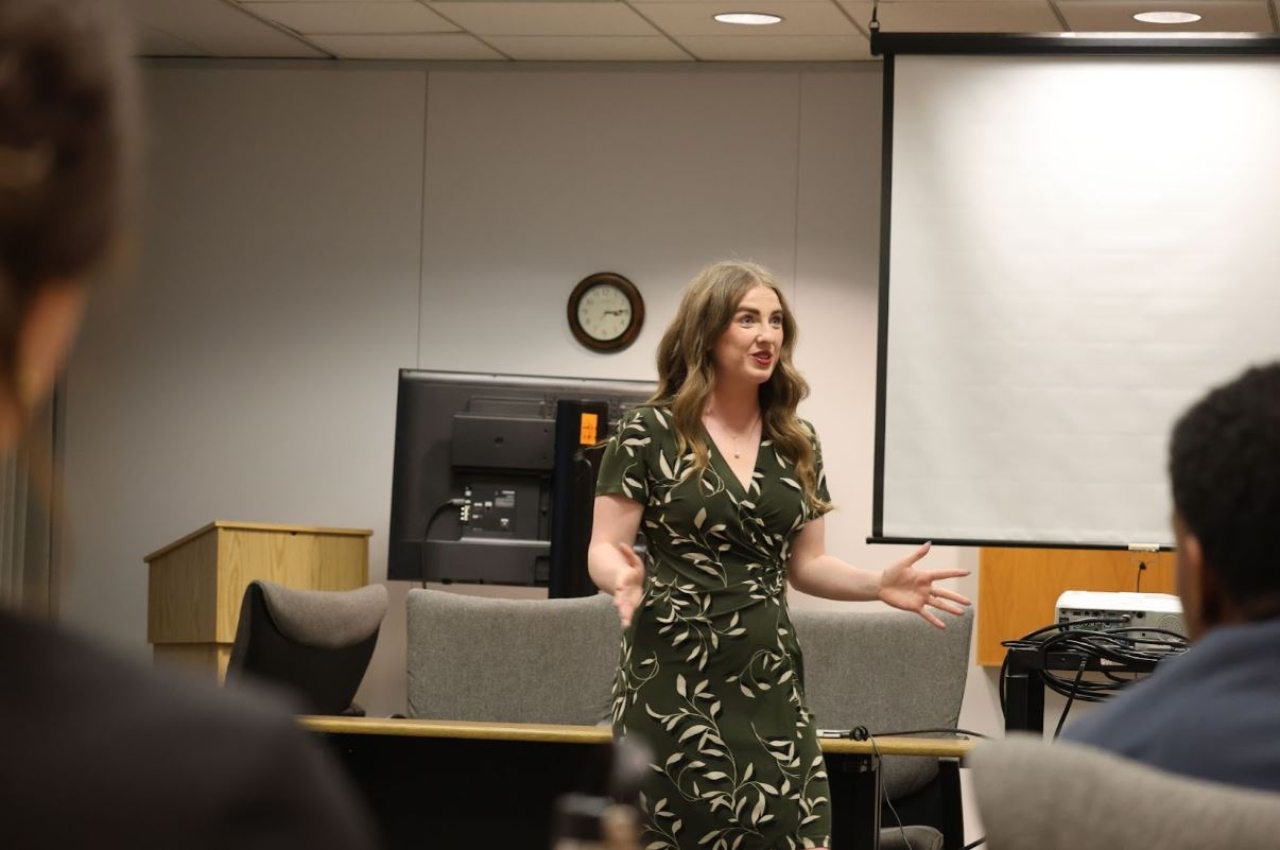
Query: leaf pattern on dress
{"type": "Point", "coordinates": [710, 672]}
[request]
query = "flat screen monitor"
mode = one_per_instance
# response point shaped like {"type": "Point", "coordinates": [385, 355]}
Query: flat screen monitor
{"type": "Point", "coordinates": [493, 476]}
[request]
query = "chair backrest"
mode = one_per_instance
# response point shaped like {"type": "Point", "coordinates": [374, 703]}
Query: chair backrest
{"type": "Point", "coordinates": [888, 671]}
{"type": "Point", "coordinates": [513, 660]}
{"type": "Point", "coordinates": [315, 643]}
{"type": "Point", "coordinates": [1064, 796]}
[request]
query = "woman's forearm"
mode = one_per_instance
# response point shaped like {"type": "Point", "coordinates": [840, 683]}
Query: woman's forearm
{"type": "Point", "coordinates": [831, 578]}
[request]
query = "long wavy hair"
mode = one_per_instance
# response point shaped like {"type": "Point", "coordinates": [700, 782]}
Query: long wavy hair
{"type": "Point", "coordinates": [687, 372]}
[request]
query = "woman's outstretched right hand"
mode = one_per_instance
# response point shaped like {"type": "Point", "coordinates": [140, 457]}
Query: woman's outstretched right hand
{"type": "Point", "coordinates": [630, 584]}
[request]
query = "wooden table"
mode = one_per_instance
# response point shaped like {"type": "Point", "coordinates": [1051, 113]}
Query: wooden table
{"type": "Point", "coordinates": [435, 783]}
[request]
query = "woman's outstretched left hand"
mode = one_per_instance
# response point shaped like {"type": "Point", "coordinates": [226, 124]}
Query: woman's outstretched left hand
{"type": "Point", "coordinates": [905, 586]}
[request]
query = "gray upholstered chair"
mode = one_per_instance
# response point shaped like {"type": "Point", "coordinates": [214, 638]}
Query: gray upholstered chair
{"type": "Point", "coordinates": [513, 660]}
{"type": "Point", "coordinates": [314, 643]}
{"type": "Point", "coordinates": [1037, 795]}
{"type": "Point", "coordinates": [890, 671]}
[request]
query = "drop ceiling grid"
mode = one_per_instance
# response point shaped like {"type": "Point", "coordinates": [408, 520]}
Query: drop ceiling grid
{"type": "Point", "coordinates": [413, 46]}
{"type": "Point", "coordinates": [350, 17]}
{"type": "Point", "coordinates": [696, 17]}
{"type": "Point", "coordinates": [604, 48]}
{"type": "Point", "coordinates": [1002, 16]}
{"type": "Point", "coordinates": [219, 28]}
{"type": "Point", "coordinates": [625, 30]}
{"type": "Point", "coordinates": [545, 18]}
{"type": "Point", "coordinates": [1253, 16]}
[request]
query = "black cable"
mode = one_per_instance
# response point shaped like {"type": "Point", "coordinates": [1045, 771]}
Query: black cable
{"type": "Point", "coordinates": [1075, 688]}
{"type": "Point", "coordinates": [1113, 641]}
{"type": "Point", "coordinates": [975, 843]}
{"type": "Point", "coordinates": [968, 732]}
{"type": "Point", "coordinates": [1118, 646]}
{"type": "Point", "coordinates": [422, 549]}
{"type": "Point", "coordinates": [1028, 641]}
{"type": "Point", "coordinates": [1004, 674]}
{"type": "Point", "coordinates": [860, 733]}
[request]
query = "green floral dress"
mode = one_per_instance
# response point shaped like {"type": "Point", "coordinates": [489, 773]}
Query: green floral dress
{"type": "Point", "coordinates": [710, 672]}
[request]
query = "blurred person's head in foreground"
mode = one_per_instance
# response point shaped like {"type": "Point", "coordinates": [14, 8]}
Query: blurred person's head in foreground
{"type": "Point", "coordinates": [67, 139]}
{"type": "Point", "coordinates": [1224, 465]}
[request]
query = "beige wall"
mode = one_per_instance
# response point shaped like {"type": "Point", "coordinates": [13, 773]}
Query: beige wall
{"type": "Point", "coordinates": [311, 229]}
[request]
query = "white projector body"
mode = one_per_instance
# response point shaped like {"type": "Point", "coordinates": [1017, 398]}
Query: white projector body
{"type": "Point", "coordinates": [1153, 610]}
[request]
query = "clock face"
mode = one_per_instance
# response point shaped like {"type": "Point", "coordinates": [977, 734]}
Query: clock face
{"type": "Point", "coordinates": [605, 312]}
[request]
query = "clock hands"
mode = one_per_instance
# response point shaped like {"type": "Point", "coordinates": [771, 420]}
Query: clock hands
{"type": "Point", "coordinates": [605, 311]}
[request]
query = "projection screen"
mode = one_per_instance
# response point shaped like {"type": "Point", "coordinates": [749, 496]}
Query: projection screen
{"type": "Point", "coordinates": [1075, 248]}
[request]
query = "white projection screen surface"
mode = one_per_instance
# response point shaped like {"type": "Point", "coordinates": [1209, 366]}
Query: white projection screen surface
{"type": "Point", "coordinates": [1078, 247]}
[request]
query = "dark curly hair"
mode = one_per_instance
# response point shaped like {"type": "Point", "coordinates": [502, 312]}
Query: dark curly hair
{"type": "Point", "coordinates": [1224, 463]}
{"type": "Point", "coordinates": [67, 133]}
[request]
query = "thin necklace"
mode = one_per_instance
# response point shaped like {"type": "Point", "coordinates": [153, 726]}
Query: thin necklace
{"type": "Point", "coordinates": [737, 454]}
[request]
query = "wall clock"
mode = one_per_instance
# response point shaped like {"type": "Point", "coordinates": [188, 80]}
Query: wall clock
{"type": "Point", "coordinates": [606, 312]}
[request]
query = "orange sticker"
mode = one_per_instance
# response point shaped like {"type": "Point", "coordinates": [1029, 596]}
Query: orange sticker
{"type": "Point", "coordinates": [587, 430]}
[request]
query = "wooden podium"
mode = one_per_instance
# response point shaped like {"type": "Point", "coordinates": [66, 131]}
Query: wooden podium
{"type": "Point", "coordinates": [197, 582]}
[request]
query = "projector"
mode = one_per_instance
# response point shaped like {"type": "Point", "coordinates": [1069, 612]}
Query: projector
{"type": "Point", "coordinates": [1152, 610]}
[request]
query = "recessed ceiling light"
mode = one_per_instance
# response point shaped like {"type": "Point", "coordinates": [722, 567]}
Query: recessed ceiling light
{"type": "Point", "coordinates": [753, 19]}
{"type": "Point", "coordinates": [1167, 17]}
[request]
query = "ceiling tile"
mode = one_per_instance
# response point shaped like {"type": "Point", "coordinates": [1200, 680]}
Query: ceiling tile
{"type": "Point", "coordinates": [217, 27]}
{"type": "Point", "coordinates": [695, 17]}
{"type": "Point", "coordinates": [780, 48]}
{"type": "Point", "coordinates": [1117, 16]}
{"type": "Point", "coordinates": [748, 6]}
{"type": "Point", "coordinates": [558, 18]}
{"type": "Point", "coordinates": [1023, 16]}
{"type": "Point", "coordinates": [446, 46]}
{"type": "Point", "coordinates": [642, 48]}
{"type": "Point", "coordinates": [329, 16]}
{"type": "Point", "coordinates": [149, 41]}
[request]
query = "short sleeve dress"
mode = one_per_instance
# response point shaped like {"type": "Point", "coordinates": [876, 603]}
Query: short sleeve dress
{"type": "Point", "coordinates": [710, 674]}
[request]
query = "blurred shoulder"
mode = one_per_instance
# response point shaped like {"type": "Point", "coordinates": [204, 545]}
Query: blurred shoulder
{"type": "Point", "coordinates": [201, 766]}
